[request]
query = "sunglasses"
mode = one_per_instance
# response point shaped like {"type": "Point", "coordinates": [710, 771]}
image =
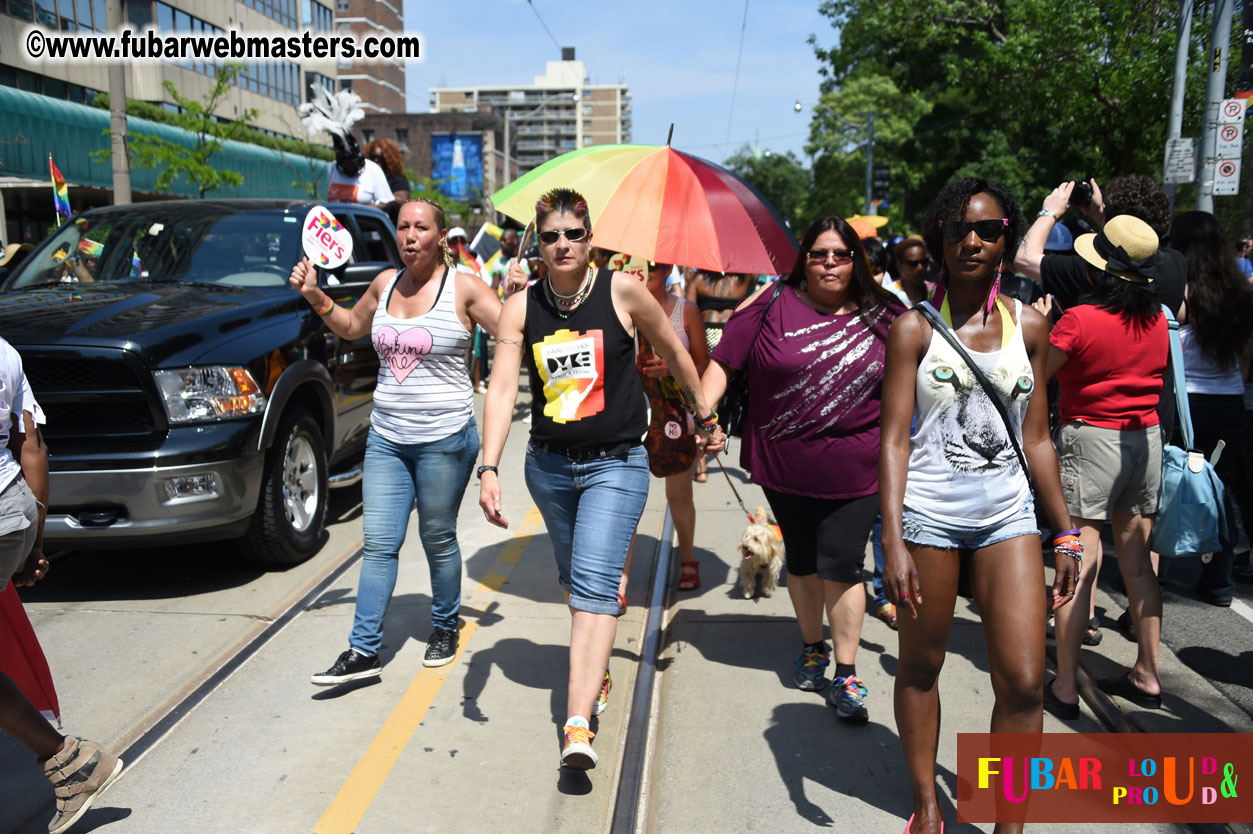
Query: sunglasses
{"type": "Point", "coordinates": [913, 262]}
{"type": "Point", "coordinates": [842, 256]}
{"type": "Point", "coordinates": [573, 235]}
{"type": "Point", "coordinates": [988, 230]}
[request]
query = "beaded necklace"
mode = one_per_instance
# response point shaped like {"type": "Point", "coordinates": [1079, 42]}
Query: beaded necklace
{"type": "Point", "coordinates": [572, 301]}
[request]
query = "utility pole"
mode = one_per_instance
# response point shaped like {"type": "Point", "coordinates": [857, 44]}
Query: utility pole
{"type": "Point", "coordinates": [1174, 128]}
{"type": "Point", "coordinates": [870, 206]}
{"type": "Point", "coordinates": [1215, 88]}
{"type": "Point", "coordinates": [117, 115]}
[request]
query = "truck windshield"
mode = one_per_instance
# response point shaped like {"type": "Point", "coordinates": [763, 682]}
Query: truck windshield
{"type": "Point", "coordinates": [199, 244]}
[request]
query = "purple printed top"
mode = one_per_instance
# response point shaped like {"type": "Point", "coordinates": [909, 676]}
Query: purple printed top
{"type": "Point", "coordinates": [815, 384]}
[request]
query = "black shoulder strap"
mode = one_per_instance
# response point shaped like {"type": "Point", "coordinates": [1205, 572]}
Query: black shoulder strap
{"type": "Point", "coordinates": [951, 337]}
{"type": "Point", "coordinates": [778, 288]}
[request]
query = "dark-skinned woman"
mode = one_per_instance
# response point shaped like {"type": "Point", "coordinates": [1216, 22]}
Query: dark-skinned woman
{"type": "Point", "coordinates": [586, 467]}
{"type": "Point", "coordinates": [955, 486]}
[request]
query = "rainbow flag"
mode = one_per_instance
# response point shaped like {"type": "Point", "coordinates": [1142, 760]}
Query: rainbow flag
{"type": "Point", "coordinates": [137, 267]}
{"type": "Point", "coordinates": [468, 260]}
{"type": "Point", "coordinates": [60, 191]}
{"type": "Point", "coordinates": [91, 248]}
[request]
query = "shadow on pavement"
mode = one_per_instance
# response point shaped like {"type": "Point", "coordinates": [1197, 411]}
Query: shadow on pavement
{"type": "Point", "coordinates": [523, 662]}
{"type": "Point", "coordinates": [869, 766]}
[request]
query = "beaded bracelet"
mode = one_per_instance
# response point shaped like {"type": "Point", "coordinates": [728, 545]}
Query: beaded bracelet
{"type": "Point", "coordinates": [330, 305]}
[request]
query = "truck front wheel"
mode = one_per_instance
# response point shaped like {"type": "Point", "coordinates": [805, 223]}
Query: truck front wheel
{"type": "Point", "coordinates": [291, 511]}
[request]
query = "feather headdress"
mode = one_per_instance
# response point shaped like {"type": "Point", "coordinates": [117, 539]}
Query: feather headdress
{"type": "Point", "coordinates": [334, 114]}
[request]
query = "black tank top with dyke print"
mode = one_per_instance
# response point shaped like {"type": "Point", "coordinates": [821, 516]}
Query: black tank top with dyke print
{"type": "Point", "coordinates": [585, 390]}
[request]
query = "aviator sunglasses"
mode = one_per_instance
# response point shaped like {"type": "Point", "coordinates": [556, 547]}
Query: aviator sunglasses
{"type": "Point", "coordinates": [573, 235]}
{"type": "Point", "coordinates": [987, 230]}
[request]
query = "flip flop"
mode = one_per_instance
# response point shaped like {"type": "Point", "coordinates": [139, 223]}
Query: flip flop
{"type": "Point", "coordinates": [1128, 691]}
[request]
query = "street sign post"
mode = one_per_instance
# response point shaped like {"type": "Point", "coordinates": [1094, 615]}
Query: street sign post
{"type": "Point", "coordinates": [1231, 111]}
{"type": "Point", "coordinates": [1230, 141]}
{"type": "Point", "coordinates": [1180, 160]}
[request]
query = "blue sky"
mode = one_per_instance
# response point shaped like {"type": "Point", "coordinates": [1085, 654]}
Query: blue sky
{"type": "Point", "coordinates": [678, 59]}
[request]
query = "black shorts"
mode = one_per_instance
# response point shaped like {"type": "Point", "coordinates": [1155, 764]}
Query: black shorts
{"type": "Point", "coordinates": [826, 536]}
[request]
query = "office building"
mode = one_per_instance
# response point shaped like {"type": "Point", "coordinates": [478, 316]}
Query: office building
{"type": "Point", "coordinates": [381, 84]}
{"type": "Point", "coordinates": [545, 119]}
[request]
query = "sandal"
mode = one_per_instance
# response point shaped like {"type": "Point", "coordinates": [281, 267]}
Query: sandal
{"type": "Point", "coordinates": [887, 613]}
{"type": "Point", "coordinates": [689, 576]}
{"type": "Point", "coordinates": [1092, 637]}
{"type": "Point", "coordinates": [701, 477]}
{"type": "Point", "coordinates": [1128, 691]}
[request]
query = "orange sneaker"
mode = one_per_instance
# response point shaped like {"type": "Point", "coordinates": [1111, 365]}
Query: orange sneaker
{"type": "Point", "coordinates": [577, 752]}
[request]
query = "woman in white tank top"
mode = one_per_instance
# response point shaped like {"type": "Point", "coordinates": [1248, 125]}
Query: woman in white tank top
{"type": "Point", "coordinates": [423, 440]}
{"type": "Point", "coordinates": [956, 488]}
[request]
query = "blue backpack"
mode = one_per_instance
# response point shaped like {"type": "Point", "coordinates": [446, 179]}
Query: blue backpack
{"type": "Point", "coordinates": [1190, 514]}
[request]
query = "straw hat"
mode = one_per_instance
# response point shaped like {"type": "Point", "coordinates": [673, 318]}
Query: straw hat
{"type": "Point", "coordinates": [1126, 247]}
{"type": "Point", "coordinates": [8, 253]}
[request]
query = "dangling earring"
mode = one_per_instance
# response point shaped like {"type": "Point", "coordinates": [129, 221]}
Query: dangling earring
{"type": "Point", "coordinates": [996, 284]}
{"type": "Point", "coordinates": [804, 285]}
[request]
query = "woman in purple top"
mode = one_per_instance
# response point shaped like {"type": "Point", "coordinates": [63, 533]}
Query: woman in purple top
{"type": "Point", "coordinates": [811, 436]}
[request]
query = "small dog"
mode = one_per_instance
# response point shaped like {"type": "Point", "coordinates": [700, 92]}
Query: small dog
{"type": "Point", "coordinates": [762, 549]}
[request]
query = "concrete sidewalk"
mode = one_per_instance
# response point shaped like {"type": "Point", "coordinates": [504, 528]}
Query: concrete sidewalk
{"type": "Point", "coordinates": [474, 746]}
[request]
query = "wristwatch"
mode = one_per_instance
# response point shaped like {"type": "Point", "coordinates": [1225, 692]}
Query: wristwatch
{"type": "Point", "coordinates": [1047, 213]}
{"type": "Point", "coordinates": [479, 472]}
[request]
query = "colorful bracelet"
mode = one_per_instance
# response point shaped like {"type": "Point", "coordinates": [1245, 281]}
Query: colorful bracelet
{"type": "Point", "coordinates": [1066, 534]}
{"type": "Point", "coordinates": [330, 305]}
{"type": "Point", "coordinates": [710, 422]}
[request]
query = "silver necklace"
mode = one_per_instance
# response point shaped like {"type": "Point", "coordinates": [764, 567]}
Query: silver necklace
{"type": "Point", "coordinates": [571, 303]}
{"type": "Point", "coordinates": [574, 294]}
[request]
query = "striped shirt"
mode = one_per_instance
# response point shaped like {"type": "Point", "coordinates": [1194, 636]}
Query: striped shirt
{"type": "Point", "coordinates": [423, 392]}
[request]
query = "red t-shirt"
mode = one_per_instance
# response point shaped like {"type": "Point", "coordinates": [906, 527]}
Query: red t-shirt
{"type": "Point", "coordinates": [1113, 378]}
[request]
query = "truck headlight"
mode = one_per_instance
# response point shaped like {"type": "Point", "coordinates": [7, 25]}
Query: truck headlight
{"type": "Point", "coordinates": [213, 393]}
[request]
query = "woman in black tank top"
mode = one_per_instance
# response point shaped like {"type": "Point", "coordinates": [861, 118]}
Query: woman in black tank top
{"type": "Point", "coordinates": [585, 466]}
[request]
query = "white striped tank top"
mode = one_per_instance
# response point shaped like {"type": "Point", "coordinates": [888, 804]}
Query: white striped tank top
{"type": "Point", "coordinates": [423, 392]}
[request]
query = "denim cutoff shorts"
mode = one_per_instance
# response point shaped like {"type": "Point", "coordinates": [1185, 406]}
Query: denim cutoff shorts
{"type": "Point", "coordinates": [928, 533]}
{"type": "Point", "coordinates": [591, 509]}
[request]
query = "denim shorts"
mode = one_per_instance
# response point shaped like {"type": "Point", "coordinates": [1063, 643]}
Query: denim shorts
{"type": "Point", "coordinates": [591, 509]}
{"type": "Point", "coordinates": [920, 530]}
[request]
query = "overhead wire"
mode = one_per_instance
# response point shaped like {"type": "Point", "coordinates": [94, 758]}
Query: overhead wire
{"type": "Point", "coordinates": [738, 55]}
{"type": "Point", "coordinates": [542, 23]}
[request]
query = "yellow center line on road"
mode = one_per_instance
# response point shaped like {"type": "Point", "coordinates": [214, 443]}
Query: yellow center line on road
{"type": "Point", "coordinates": [354, 798]}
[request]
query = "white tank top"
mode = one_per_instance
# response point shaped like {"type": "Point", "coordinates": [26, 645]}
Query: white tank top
{"type": "Point", "coordinates": [424, 392]}
{"type": "Point", "coordinates": [1202, 374]}
{"type": "Point", "coordinates": [676, 321]}
{"type": "Point", "coordinates": [963, 470]}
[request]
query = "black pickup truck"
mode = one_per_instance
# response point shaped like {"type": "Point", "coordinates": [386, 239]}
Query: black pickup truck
{"type": "Point", "coordinates": [190, 393]}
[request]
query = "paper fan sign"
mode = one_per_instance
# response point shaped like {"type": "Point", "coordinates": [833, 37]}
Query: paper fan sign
{"type": "Point", "coordinates": [327, 243]}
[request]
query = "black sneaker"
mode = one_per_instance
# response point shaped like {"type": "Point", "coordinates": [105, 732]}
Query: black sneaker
{"type": "Point", "coordinates": [441, 647]}
{"type": "Point", "coordinates": [352, 665]}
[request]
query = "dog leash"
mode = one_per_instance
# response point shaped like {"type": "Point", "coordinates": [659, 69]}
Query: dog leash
{"type": "Point", "coordinates": [734, 491]}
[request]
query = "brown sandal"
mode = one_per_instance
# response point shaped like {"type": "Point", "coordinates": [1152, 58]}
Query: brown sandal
{"type": "Point", "coordinates": [689, 576]}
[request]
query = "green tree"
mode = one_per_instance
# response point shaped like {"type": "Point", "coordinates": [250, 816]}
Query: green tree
{"type": "Point", "coordinates": [781, 179]}
{"type": "Point", "coordinates": [192, 164]}
{"type": "Point", "coordinates": [1028, 92]}
{"type": "Point", "coordinates": [426, 188]}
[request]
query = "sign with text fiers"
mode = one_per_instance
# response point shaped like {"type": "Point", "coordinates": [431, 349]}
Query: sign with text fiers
{"type": "Point", "coordinates": [326, 242]}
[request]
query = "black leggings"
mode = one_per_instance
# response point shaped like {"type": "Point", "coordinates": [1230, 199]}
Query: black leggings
{"type": "Point", "coordinates": [826, 536]}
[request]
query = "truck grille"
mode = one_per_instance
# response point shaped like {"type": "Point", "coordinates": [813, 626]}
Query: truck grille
{"type": "Point", "coordinates": [92, 399]}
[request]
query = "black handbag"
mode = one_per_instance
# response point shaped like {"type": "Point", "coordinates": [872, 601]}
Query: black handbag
{"type": "Point", "coordinates": [733, 410]}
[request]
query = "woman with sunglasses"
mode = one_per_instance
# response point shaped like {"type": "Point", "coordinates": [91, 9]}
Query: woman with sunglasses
{"type": "Point", "coordinates": [586, 467]}
{"type": "Point", "coordinates": [813, 347]}
{"type": "Point", "coordinates": [955, 487]}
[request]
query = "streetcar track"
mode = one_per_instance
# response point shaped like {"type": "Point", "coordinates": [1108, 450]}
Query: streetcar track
{"type": "Point", "coordinates": [168, 716]}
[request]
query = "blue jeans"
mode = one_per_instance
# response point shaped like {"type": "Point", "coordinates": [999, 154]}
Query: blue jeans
{"type": "Point", "coordinates": [876, 541]}
{"type": "Point", "coordinates": [436, 474]}
{"type": "Point", "coordinates": [923, 531]}
{"type": "Point", "coordinates": [591, 509]}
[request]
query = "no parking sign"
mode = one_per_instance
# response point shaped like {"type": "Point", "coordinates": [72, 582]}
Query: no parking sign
{"type": "Point", "coordinates": [1227, 176]}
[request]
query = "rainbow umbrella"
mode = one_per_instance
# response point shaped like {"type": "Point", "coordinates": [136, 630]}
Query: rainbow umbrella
{"type": "Point", "coordinates": [654, 202]}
